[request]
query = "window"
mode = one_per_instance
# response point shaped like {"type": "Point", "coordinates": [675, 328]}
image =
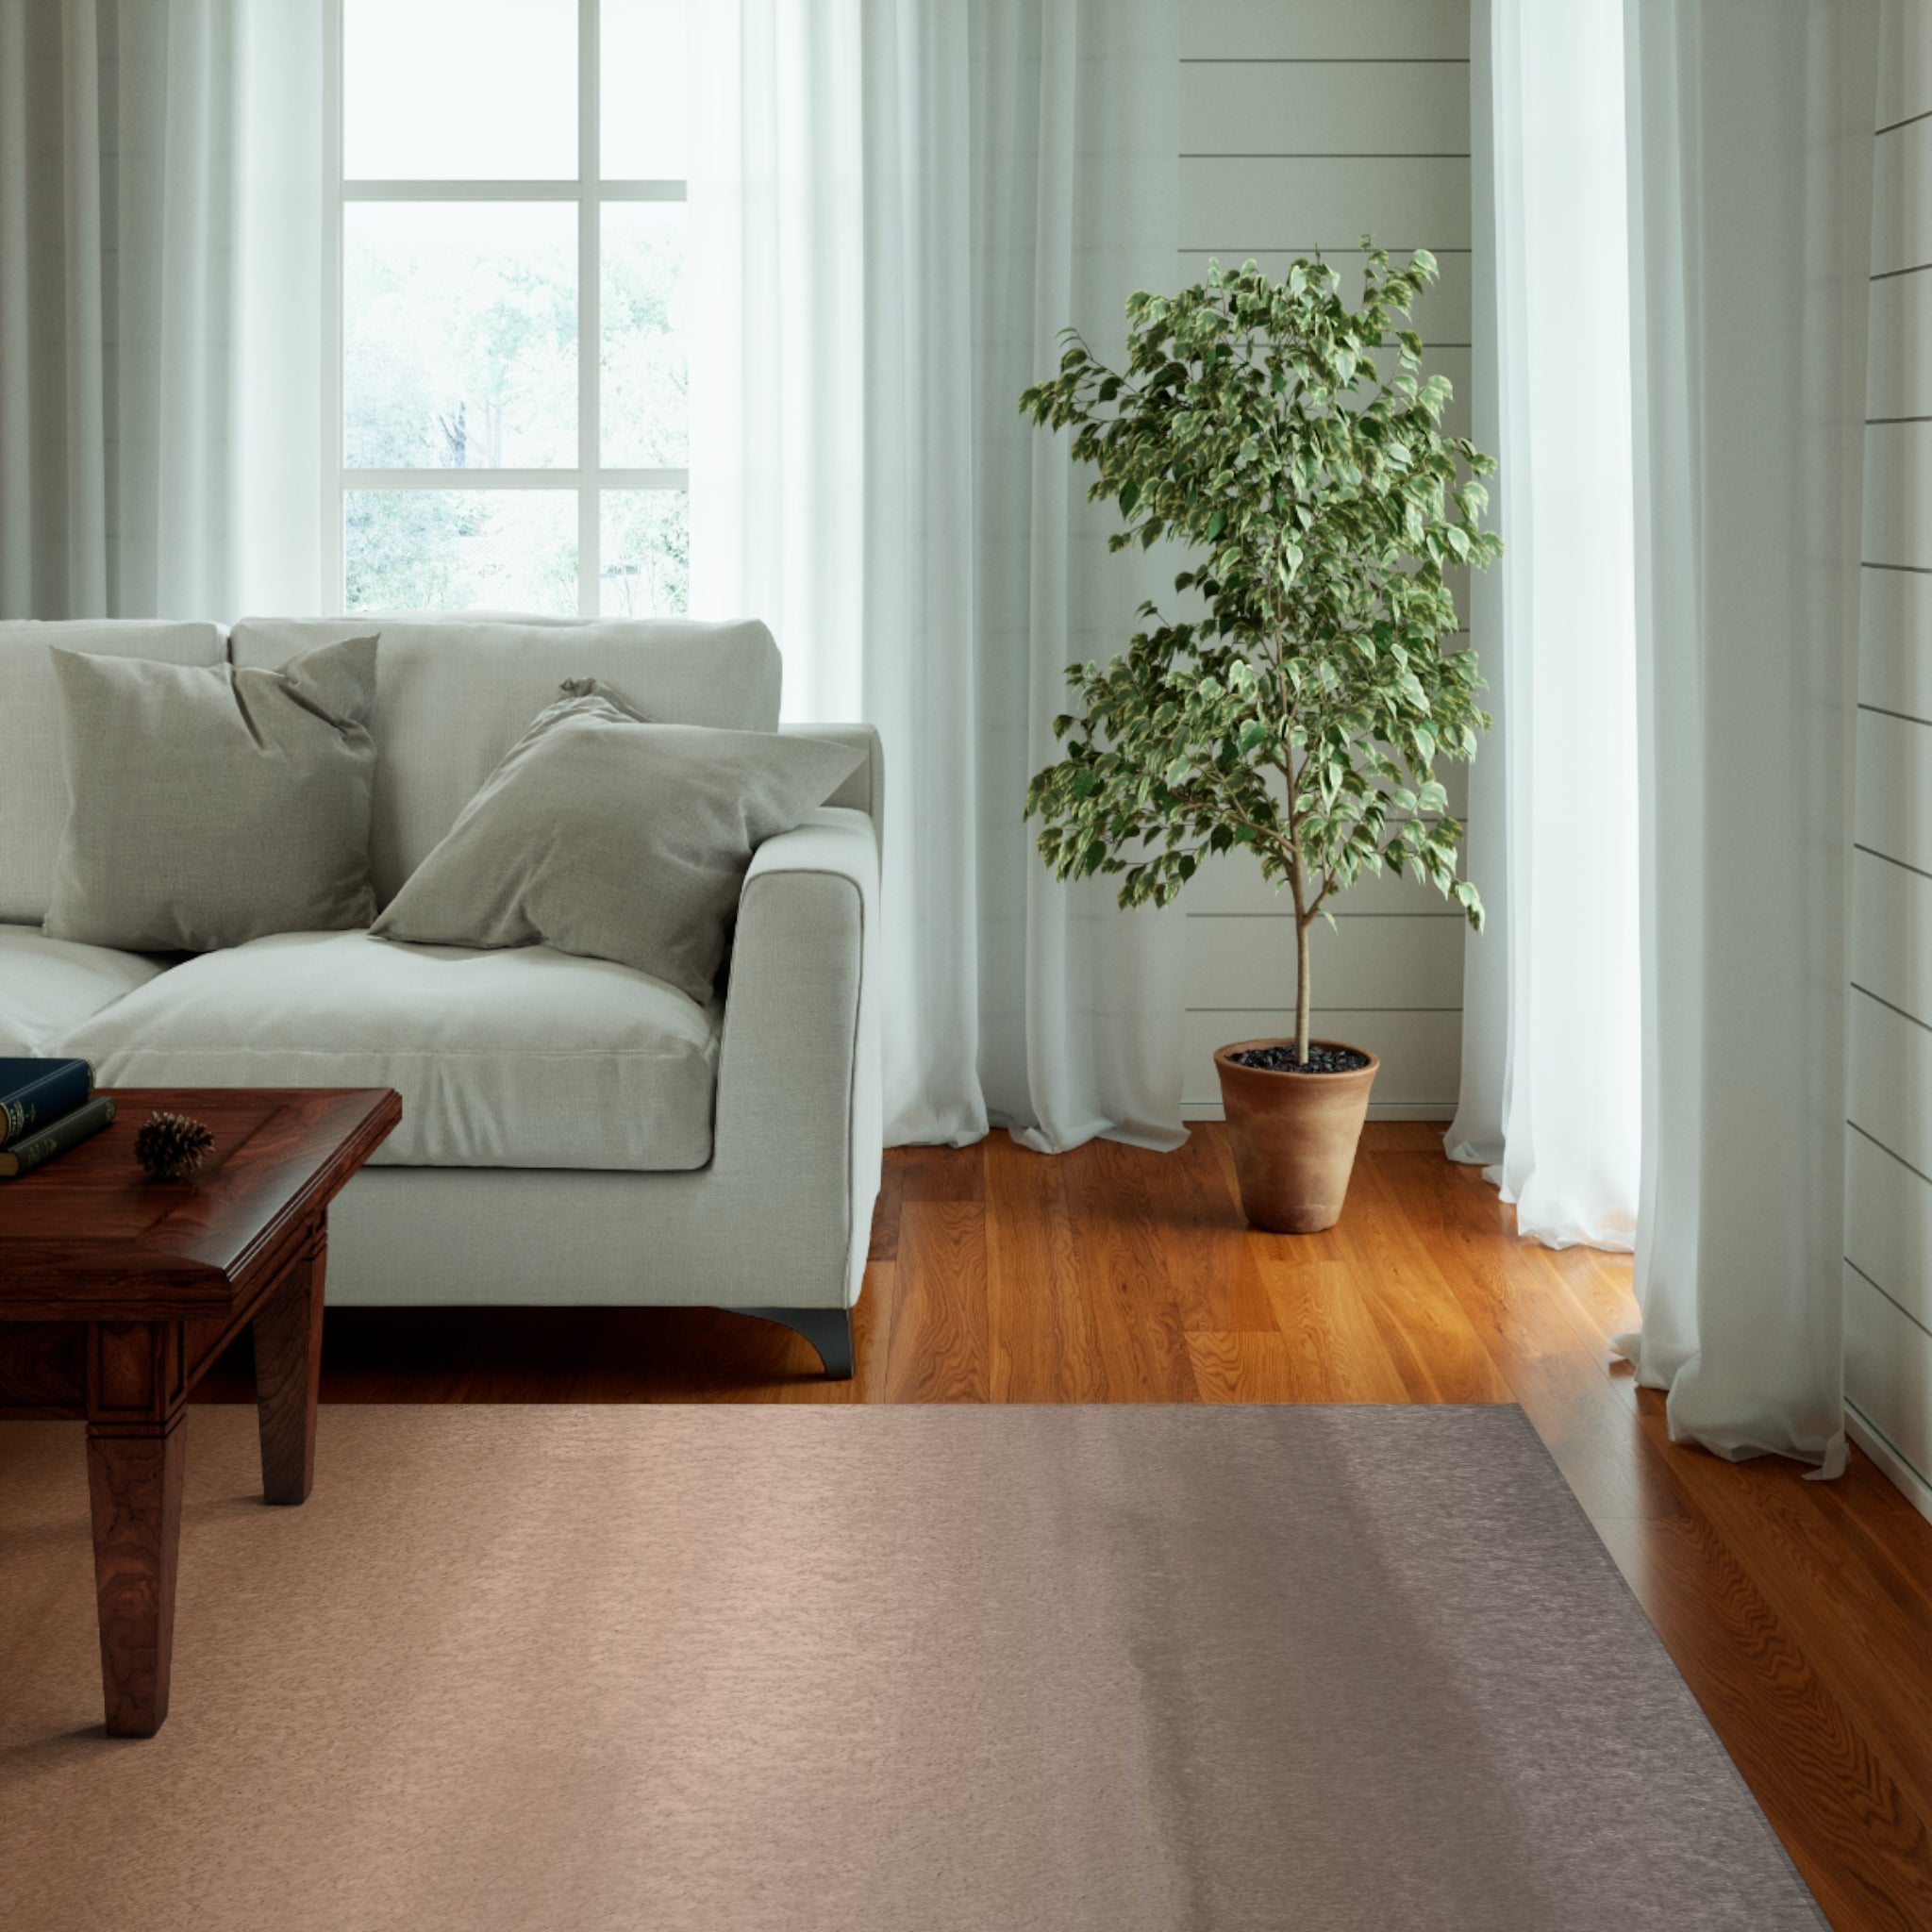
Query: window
{"type": "Point", "coordinates": [505, 378]}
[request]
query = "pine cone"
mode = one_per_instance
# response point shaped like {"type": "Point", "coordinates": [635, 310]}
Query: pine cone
{"type": "Point", "coordinates": [171, 1146]}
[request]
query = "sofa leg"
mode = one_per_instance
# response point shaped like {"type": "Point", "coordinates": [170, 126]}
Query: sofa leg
{"type": "Point", "coordinates": [828, 1330]}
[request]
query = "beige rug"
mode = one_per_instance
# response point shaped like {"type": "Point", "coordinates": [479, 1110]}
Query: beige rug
{"type": "Point", "coordinates": [776, 1668]}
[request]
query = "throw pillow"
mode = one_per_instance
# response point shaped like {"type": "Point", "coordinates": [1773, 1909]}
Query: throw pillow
{"type": "Point", "coordinates": [208, 806]}
{"type": "Point", "coordinates": [33, 794]}
{"type": "Point", "coordinates": [604, 835]}
{"type": "Point", "coordinates": [454, 695]}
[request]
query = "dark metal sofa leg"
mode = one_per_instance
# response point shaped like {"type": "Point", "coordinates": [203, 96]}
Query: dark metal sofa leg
{"type": "Point", "coordinates": [828, 1330]}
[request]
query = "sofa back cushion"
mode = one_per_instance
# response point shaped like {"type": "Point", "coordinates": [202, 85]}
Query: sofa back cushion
{"type": "Point", "coordinates": [33, 788]}
{"type": "Point", "coordinates": [452, 696]}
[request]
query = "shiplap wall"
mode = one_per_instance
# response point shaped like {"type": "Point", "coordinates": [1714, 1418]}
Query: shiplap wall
{"type": "Point", "coordinates": [1305, 123]}
{"type": "Point", "coordinates": [1889, 1163]}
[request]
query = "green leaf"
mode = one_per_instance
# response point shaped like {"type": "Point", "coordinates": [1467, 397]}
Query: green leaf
{"type": "Point", "coordinates": [1249, 419]}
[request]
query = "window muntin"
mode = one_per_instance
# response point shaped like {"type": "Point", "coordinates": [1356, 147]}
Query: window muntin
{"type": "Point", "coordinates": [507, 421]}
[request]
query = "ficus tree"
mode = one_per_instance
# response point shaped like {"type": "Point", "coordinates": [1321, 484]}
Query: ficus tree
{"type": "Point", "coordinates": [1303, 712]}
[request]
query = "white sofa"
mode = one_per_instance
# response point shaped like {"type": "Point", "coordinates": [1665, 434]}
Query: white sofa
{"type": "Point", "coordinates": [573, 1133]}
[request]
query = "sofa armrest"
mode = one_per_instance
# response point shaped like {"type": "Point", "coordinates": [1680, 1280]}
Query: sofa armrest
{"type": "Point", "coordinates": [799, 1110]}
{"type": "Point", "coordinates": [866, 787]}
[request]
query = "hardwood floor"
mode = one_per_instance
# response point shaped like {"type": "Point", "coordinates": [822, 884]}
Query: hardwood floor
{"type": "Point", "coordinates": [1800, 1613]}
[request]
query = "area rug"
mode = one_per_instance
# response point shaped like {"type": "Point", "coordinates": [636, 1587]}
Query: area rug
{"type": "Point", "coordinates": [794, 1669]}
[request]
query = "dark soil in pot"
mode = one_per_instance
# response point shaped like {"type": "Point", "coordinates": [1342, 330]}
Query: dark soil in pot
{"type": "Point", "coordinates": [1322, 1060]}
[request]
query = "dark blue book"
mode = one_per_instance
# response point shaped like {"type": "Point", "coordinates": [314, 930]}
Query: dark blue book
{"type": "Point", "coordinates": [36, 1093]}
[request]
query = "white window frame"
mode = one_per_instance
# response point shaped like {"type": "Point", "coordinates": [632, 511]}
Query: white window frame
{"type": "Point", "coordinates": [590, 477]}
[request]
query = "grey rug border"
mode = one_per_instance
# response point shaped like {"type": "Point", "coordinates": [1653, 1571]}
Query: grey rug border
{"type": "Point", "coordinates": [1604, 1558]}
{"type": "Point", "coordinates": [1609, 1563]}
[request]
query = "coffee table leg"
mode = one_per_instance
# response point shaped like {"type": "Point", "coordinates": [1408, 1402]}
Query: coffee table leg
{"type": "Point", "coordinates": [134, 1485]}
{"type": "Point", "coordinates": [288, 1377]}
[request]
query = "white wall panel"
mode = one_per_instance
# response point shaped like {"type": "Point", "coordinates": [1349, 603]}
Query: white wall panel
{"type": "Point", "coordinates": [1898, 371]}
{"type": "Point", "coordinates": [1394, 963]}
{"type": "Point", "coordinates": [1894, 808]}
{"type": "Point", "coordinates": [1904, 60]}
{"type": "Point", "coordinates": [1892, 934]}
{"type": "Point", "coordinates": [1305, 107]}
{"type": "Point", "coordinates": [1898, 494]}
{"type": "Point", "coordinates": [1902, 199]}
{"type": "Point", "coordinates": [1891, 1084]}
{"type": "Point", "coordinates": [1889, 1225]}
{"type": "Point", "coordinates": [1889, 1204]}
{"type": "Point", "coordinates": [1889, 1371]}
{"type": "Point", "coordinates": [1896, 644]}
{"type": "Point", "coordinates": [1326, 29]}
{"type": "Point", "coordinates": [1420, 1053]}
{"type": "Point", "coordinates": [1403, 202]}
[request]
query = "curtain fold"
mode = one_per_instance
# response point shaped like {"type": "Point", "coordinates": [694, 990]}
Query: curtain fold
{"type": "Point", "coordinates": [1551, 1029]}
{"type": "Point", "coordinates": [1475, 1135]}
{"type": "Point", "coordinates": [892, 217]}
{"type": "Point", "coordinates": [160, 307]}
{"type": "Point", "coordinates": [1750, 164]}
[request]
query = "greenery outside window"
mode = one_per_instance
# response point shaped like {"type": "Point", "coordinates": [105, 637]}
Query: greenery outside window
{"type": "Point", "coordinates": [505, 373]}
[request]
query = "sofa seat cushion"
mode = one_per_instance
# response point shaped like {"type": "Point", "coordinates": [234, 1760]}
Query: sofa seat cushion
{"type": "Point", "coordinates": [525, 1058]}
{"type": "Point", "coordinates": [49, 987]}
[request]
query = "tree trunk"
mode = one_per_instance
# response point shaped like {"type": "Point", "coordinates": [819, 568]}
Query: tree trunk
{"type": "Point", "coordinates": [1301, 988]}
{"type": "Point", "coordinates": [1301, 958]}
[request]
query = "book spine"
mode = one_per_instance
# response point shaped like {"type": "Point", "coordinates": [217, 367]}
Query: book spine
{"type": "Point", "coordinates": [33, 1109]}
{"type": "Point", "coordinates": [38, 1149]}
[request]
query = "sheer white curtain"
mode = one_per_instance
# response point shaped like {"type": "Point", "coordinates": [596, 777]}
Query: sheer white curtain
{"type": "Point", "coordinates": [1751, 170]}
{"type": "Point", "coordinates": [1669, 818]}
{"type": "Point", "coordinates": [896, 206]}
{"type": "Point", "coordinates": [161, 307]}
{"type": "Point", "coordinates": [1550, 1094]}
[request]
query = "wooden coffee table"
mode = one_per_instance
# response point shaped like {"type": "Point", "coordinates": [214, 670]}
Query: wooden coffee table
{"type": "Point", "coordinates": [116, 1293]}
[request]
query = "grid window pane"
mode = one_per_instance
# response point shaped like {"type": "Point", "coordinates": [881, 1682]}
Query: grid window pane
{"type": "Point", "coordinates": [460, 326]}
{"type": "Point", "coordinates": [645, 538]}
{"type": "Point", "coordinates": [644, 404]}
{"type": "Point", "coordinates": [641, 114]}
{"type": "Point", "coordinates": [461, 550]}
{"type": "Point", "coordinates": [460, 89]}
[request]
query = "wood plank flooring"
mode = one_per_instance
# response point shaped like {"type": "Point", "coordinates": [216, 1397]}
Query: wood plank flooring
{"type": "Point", "coordinates": [1800, 1613]}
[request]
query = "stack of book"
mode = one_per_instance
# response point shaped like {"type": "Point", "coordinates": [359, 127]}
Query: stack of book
{"type": "Point", "coordinates": [46, 1106]}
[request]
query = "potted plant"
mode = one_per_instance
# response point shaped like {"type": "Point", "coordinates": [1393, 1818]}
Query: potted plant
{"type": "Point", "coordinates": [1302, 707]}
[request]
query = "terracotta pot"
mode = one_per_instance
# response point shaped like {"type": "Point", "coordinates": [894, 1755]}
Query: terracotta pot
{"type": "Point", "coordinates": [1294, 1135]}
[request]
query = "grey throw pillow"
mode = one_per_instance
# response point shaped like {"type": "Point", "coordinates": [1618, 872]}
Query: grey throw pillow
{"type": "Point", "coordinates": [208, 806]}
{"type": "Point", "coordinates": [606, 835]}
